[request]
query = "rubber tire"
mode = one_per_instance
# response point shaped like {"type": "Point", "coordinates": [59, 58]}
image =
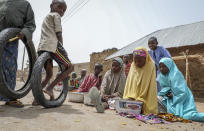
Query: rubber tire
{"type": "Point", "coordinates": [37, 88]}
{"type": "Point", "coordinates": [5, 91]}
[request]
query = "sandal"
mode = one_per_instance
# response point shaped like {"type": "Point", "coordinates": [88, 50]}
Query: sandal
{"type": "Point", "coordinates": [15, 103]}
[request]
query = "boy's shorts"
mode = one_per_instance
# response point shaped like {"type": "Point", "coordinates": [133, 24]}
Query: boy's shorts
{"type": "Point", "coordinates": [60, 56]}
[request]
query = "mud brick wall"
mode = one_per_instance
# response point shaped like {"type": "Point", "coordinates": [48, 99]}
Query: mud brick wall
{"type": "Point", "coordinates": [99, 57]}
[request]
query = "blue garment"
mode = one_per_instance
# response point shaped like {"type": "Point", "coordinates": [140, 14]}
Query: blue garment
{"type": "Point", "coordinates": [157, 55]}
{"type": "Point", "coordinates": [182, 104]}
{"type": "Point", "coordinates": [9, 60]}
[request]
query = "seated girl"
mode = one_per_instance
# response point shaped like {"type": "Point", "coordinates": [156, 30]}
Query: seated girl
{"type": "Point", "coordinates": [141, 81]}
{"type": "Point", "coordinates": [112, 86]}
{"type": "Point", "coordinates": [177, 97]}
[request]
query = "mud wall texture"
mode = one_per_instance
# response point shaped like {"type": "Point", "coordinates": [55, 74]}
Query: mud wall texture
{"type": "Point", "coordinates": [196, 66]}
{"type": "Point", "coordinates": [99, 57]}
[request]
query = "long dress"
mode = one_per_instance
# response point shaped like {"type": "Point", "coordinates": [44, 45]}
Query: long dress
{"type": "Point", "coordinates": [182, 104]}
{"type": "Point", "coordinates": [141, 85]}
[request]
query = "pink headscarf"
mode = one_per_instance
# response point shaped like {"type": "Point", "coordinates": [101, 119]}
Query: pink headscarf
{"type": "Point", "coordinates": [140, 52]}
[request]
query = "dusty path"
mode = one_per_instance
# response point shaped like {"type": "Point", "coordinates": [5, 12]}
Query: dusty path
{"type": "Point", "coordinates": [78, 117]}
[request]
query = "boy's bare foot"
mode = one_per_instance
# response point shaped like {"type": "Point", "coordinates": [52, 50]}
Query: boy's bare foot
{"type": "Point", "coordinates": [50, 93]}
{"type": "Point", "coordinates": [34, 103]}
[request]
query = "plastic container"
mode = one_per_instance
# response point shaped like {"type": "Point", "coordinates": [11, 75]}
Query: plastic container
{"type": "Point", "coordinates": [76, 97]}
{"type": "Point", "coordinates": [87, 100]}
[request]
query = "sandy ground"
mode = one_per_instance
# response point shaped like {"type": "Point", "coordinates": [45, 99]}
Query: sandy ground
{"type": "Point", "coordinates": [78, 117]}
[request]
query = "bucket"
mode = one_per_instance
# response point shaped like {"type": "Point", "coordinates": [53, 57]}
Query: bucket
{"type": "Point", "coordinates": [76, 97]}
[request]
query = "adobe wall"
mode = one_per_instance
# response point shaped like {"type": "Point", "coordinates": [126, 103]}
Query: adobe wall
{"type": "Point", "coordinates": [99, 57]}
{"type": "Point", "coordinates": [196, 66]}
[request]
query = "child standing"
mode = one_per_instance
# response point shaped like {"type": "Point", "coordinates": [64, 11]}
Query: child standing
{"type": "Point", "coordinates": [51, 41]}
{"type": "Point", "coordinates": [15, 14]}
{"type": "Point", "coordinates": [157, 53]}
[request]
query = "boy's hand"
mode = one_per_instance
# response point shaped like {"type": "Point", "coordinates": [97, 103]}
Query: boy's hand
{"type": "Point", "coordinates": [21, 36]}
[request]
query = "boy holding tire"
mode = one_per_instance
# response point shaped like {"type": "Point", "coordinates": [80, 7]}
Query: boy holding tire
{"type": "Point", "coordinates": [51, 41]}
{"type": "Point", "coordinates": [15, 14]}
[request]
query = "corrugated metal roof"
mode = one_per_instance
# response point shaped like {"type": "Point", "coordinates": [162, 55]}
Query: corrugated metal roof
{"type": "Point", "coordinates": [183, 35]}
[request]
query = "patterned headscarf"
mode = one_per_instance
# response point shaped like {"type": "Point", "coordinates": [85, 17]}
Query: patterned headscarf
{"type": "Point", "coordinates": [139, 52]}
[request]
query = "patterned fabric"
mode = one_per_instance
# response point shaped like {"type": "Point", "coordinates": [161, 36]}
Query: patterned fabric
{"type": "Point", "coordinates": [157, 55]}
{"type": "Point", "coordinates": [182, 104]}
{"type": "Point", "coordinates": [89, 82]}
{"type": "Point", "coordinates": [61, 55]}
{"type": "Point", "coordinates": [151, 118]}
{"type": "Point", "coordinates": [9, 60]}
{"type": "Point", "coordinates": [74, 82]}
{"type": "Point", "coordinates": [172, 118]}
{"type": "Point", "coordinates": [127, 68]}
{"type": "Point", "coordinates": [141, 85]}
{"type": "Point", "coordinates": [139, 52]}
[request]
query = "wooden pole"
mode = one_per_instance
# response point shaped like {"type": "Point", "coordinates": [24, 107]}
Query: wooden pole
{"type": "Point", "coordinates": [22, 67]}
{"type": "Point", "coordinates": [188, 79]}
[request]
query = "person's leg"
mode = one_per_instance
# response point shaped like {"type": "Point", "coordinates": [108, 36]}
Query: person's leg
{"type": "Point", "coordinates": [94, 94]}
{"type": "Point", "coordinates": [61, 77]}
{"type": "Point", "coordinates": [62, 58]}
{"type": "Point", "coordinates": [49, 73]}
{"type": "Point", "coordinates": [9, 66]}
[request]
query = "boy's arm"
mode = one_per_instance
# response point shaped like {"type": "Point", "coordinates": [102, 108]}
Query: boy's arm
{"type": "Point", "coordinates": [29, 24]}
{"type": "Point", "coordinates": [59, 37]}
{"type": "Point", "coordinates": [58, 27]}
{"type": "Point", "coordinates": [166, 53]}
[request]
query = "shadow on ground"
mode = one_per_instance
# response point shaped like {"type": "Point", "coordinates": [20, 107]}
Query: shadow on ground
{"type": "Point", "coordinates": [30, 112]}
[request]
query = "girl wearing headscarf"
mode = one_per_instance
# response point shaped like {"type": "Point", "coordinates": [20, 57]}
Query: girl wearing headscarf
{"type": "Point", "coordinates": [114, 80]}
{"type": "Point", "coordinates": [112, 86]}
{"type": "Point", "coordinates": [177, 97]}
{"type": "Point", "coordinates": [141, 81]}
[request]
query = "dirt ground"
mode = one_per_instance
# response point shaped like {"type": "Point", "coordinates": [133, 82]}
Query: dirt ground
{"type": "Point", "coordinates": [78, 117]}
